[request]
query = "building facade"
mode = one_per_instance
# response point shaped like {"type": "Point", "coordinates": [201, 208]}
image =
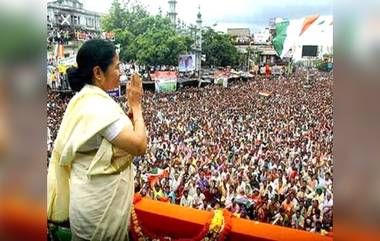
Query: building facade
{"type": "Point", "coordinates": [240, 36]}
{"type": "Point", "coordinates": [239, 32]}
{"type": "Point", "coordinates": [70, 13]}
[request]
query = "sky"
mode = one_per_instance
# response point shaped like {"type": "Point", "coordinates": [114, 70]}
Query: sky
{"type": "Point", "coordinates": [253, 14]}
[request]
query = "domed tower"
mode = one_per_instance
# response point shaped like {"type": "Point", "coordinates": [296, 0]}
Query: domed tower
{"type": "Point", "coordinates": [172, 11]}
{"type": "Point", "coordinates": [198, 42]}
{"type": "Point", "coordinates": [199, 30]}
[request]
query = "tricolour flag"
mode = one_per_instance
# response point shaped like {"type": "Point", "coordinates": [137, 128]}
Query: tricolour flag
{"type": "Point", "coordinates": [156, 175]}
{"type": "Point", "coordinates": [288, 32]}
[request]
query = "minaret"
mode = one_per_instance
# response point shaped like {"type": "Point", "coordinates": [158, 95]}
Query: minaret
{"type": "Point", "coordinates": [199, 30]}
{"type": "Point", "coordinates": [198, 39]}
{"type": "Point", "coordinates": [172, 11]}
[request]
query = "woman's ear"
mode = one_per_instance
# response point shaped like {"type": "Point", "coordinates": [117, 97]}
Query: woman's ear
{"type": "Point", "coordinates": [98, 74]}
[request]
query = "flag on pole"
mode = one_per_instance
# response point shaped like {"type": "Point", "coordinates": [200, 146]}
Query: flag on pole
{"type": "Point", "coordinates": [307, 22]}
{"type": "Point", "coordinates": [156, 175]}
{"type": "Point", "coordinates": [288, 32]}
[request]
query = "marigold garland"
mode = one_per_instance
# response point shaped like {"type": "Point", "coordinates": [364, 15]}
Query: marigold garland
{"type": "Point", "coordinates": [216, 229]}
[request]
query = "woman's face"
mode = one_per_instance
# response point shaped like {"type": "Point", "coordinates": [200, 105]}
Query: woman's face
{"type": "Point", "coordinates": [112, 74]}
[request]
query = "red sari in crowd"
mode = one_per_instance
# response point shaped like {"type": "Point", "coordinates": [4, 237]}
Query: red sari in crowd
{"type": "Point", "coordinates": [262, 213]}
{"type": "Point", "coordinates": [267, 71]}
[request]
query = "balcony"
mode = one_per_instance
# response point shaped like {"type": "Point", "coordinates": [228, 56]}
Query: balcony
{"type": "Point", "coordinates": [180, 222]}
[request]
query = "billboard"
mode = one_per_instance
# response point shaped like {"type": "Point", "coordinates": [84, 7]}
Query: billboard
{"type": "Point", "coordinates": [310, 50]}
{"type": "Point", "coordinates": [164, 81]}
{"type": "Point", "coordinates": [261, 38]}
{"type": "Point", "coordinates": [186, 63]}
{"type": "Point", "coordinates": [114, 92]}
{"type": "Point", "coordinates": [221, 77]}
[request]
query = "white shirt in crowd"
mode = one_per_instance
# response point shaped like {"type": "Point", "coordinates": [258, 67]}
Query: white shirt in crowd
{"type": "Point", "coordinates": [186, 202]}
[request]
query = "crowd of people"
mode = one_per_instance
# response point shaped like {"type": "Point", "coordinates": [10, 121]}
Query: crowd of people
{"type": "Point", "coordinates": [62, 35]}
{"type": "Point", "coordinates": [59, 35]}
{"type": "Point", "coordinates": [263, 157]}
{"type": "Point", "coordinates": [56, 78]}
{"type": "Point", "coordinates": [56, 106]}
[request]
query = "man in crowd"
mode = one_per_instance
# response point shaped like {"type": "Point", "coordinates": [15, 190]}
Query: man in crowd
{"type": "Point", "coordinates": [263, 158]}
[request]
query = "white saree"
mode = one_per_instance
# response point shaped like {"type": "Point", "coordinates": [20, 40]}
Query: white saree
{"type": "Point", "coordinates": [94, 190]}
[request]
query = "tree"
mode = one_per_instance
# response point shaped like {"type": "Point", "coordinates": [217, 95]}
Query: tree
{"type": "Point", "coordinates": [160, 44]}
{"type": "Point", "coordinates": [143, 37]}
{"type": "Point", "coordinates": [218, 49]}
{"type": "Point", "coordinates": [115, 19]}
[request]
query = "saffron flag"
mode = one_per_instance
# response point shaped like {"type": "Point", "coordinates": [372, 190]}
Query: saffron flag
{"type": "Point", "coordinates": [156, 175]}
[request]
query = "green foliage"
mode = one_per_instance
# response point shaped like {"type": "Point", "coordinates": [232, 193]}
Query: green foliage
{"type": "Point", "coordinates": [144, 38]}
{"type": "Point", "coordinates": [323, 65]}
{"type": "Point", "coordinates": [115, 19]}
{"type": "Point", "coordinates": [219, 49]}
{"type": "Point", "coordinates": [152, 40]}
{"type": "Point", "coordinates": [327, 56]}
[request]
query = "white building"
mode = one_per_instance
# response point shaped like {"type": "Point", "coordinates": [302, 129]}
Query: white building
{"type": "Point", "coordinates": [70, 13]}
{"type": "Point", "coordinates": [263, 37]}
{"type": "Point", "coordinates": [241, 35]}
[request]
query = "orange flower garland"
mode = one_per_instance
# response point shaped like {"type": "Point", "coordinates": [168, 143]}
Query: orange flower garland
{"type": "Point", "coordinates": [227, 225]}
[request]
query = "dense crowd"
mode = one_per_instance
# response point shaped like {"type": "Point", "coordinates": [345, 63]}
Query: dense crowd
{"type": "Point", "coordinates": [263, 157]}
{"type": "Point", "coordinates": [56, 79]}
{"type": "Point", "coordinates": [62, 35]}
{"type": "Point", "coordinates": [56, 106]}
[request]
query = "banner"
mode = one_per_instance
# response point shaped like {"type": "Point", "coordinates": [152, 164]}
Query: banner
{"type": "Point", "coordinates": [108, 36]}
{"type": "Point", "coordinates": [69, 61]}
{"type": "Point", "coordinates": [221, 77]}
{"type": "Point", "coordinates": [114, 92]}
{"type": "Point", "coordinates": [64, 64]}
{"type": "Point", "coordinates": [277, 70]}
{"type": "Point", "coordinates": [165, 81]}
{"type": "Point", "coordinates": [186, 63]}
{"type": "Point", "coordinates": [265, 93]}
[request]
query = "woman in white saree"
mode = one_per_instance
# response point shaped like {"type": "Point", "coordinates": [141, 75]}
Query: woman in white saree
{"type": "Point", "coordinates": [90, 176]}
